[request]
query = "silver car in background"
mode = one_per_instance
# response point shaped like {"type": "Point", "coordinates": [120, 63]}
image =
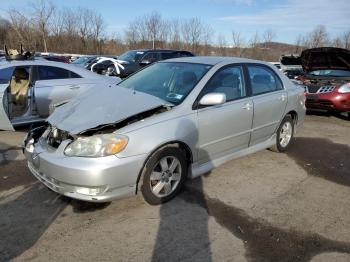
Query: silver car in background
{"type": "Point", "coordinates": [30, 89]}
{"type": "Point", "coordinates": [175, 119]}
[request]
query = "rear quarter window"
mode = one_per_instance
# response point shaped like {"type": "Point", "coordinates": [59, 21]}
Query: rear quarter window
{"type": "Point", "coordinates": [52, 72]}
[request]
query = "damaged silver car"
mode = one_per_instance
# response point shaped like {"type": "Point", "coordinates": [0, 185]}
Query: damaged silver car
{"type": "Point", "coordinates": [175, 119]}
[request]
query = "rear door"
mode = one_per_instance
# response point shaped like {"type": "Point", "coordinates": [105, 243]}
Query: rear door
{"type": "Point", "coordinates": [270, 101]}
{"type": "Point", "coordinates": [226, 128]}
{"type": "Point", "coordinates": [56, 85]}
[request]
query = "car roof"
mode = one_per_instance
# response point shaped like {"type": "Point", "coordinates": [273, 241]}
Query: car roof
{"type": "Point", "coordinates": [43, 62]}
{"type": "Point", "coordinates": [160, 50]}
{"type": "Point", "coordinates": [213, 60]}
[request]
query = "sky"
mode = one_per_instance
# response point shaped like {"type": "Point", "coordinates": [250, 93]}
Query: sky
{"type": "Point", "coordinates": [287, 18]}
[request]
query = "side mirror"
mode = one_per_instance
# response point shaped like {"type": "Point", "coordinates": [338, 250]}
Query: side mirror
{"type": "Point", "coordinates": [213, 99]}
{"type": "Point", "coordinates": [145, 62]}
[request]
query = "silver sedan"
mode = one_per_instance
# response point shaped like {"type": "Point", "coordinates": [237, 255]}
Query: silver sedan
{"type": "Point", "coordinates": [173, 120]}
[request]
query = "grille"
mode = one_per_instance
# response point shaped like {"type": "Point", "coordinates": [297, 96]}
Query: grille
{"type": "Point", "coordinates": [312, 89]}
{"type": "Point", "coordinates": [326, 89]}
{"type": "Point", "coordinates": [318, 89]}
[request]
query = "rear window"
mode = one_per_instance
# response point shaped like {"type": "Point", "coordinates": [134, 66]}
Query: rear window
{"type": "Point", "coordinates": [52, 72]}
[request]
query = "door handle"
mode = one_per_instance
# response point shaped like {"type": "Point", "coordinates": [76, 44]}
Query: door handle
{"type": "Point", "coordinates": [74, 87]}
{"type": "Point", "coordinates": [247, 106]}
{"type": "Point", "coordinates": [283, 97]}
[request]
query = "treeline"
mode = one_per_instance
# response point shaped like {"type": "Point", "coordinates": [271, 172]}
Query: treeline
{"type": "Point", "coordinates": [47, 28]}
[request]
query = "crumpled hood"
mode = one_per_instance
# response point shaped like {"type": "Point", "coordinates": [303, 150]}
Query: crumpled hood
{"type": "Point", "coordinates": [325, 58]}
{"type": "Point", "coordinates": [101, 105]}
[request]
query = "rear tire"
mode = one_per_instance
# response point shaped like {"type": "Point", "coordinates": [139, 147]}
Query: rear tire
{"type": "Point", "coordinates": [284, 135]}
{"type": "Point", "coordinates": [163, 175]}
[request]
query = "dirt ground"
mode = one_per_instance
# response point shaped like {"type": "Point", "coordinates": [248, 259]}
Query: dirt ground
{"type": "Point", "coordinates": [263, 207]}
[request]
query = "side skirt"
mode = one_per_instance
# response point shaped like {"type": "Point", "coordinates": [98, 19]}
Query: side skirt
{"type": "Point", "coordinates": [198, 170]}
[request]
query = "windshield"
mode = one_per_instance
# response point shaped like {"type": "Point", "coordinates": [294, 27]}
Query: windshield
{"type": "Point", "coordinates": [170, 81]}
{"type": "Point", "coordinates": [82, 60]}
{"type": "Point", "coordinates": [131, 56]}
{"type": "Point", "coordinates": [336, 73]}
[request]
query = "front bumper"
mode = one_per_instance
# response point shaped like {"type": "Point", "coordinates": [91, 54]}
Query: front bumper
{"type": "Point", "coordinates": [332, 101]}
{"type": "Point", "coordinates": [113, 177]}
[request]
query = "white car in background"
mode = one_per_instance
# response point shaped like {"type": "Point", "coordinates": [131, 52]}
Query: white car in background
{"type": "Point", "coordinates": [30, 89]}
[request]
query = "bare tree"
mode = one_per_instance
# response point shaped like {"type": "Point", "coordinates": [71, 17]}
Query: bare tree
{"type": "Point", "coordinates": [346, 39]}
{"type": "Point", "coordinates": [20, 28]}
{"type": "Point", "coordinates": [43, 12]}
{"type": "Point", "coordinates": [193, 31]}
{"type": "Point", "coordinates": [238, 43]}
{"type": "Point", "coordinates": [98, 27]}
{"type": "Point", "coordinates": [155, 28]}
{"type": "Point", "coordinates": [222, 45]}
{"type": "Point", "coordinates": [85, 26]}
{"type": "Point", "coordinates": [299, 43]}
{"type": "Point", "coordinates": [174, 34]}
{"type": "Point", "coordinates": [4, 29]}
{"type": "Point", "coordinates": [318, 37]}
{"type": "Point", "coordinates": [337, 42]}
{"type": "Point", "coordinates": [268, 36]}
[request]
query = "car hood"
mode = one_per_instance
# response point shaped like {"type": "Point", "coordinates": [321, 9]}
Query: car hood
{"type": "Point", "coordinates": [100, 106]}
{"type": "Point", "coordinates": [325, 58]}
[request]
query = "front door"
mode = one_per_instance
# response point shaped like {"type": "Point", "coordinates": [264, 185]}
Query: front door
{"type": "Point", "coordinates": [226, 128]}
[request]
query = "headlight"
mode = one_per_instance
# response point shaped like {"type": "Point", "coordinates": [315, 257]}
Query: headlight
{"type": "Point", "coordinates": [344, 88]}
{"type": "Point", "coordinates": [97, 145]}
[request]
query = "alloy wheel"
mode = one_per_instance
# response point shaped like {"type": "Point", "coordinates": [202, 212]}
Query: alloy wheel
{"type": "Point", "coordinates": [165, 176]}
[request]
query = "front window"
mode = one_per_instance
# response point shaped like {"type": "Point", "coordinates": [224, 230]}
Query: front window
{"type": "Point", "coordinates": [229, 81]}
{"type": "Point", "coordinates": [171, 82]}
{"type": "Point", "coordinates": [328, 72]}
{"type": "Point", "coordinates": [131, 56]}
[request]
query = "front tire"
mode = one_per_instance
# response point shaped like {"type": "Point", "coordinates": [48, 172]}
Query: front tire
{"type": "Point", "coordinates": [163, 175]}
{"type": "Point", "coordinates": [284, 134]}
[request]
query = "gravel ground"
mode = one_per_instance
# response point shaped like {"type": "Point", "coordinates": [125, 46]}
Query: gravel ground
{"type": "Point", "coordinates": [263, 207]}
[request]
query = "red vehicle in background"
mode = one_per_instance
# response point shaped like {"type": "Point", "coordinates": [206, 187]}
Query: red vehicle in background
{"type": "Point", "coordinates": [327, 79]}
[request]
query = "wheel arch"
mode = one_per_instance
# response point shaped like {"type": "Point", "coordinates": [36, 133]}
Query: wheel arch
{"type": "Point", "coordinates": [175, 143]}
{"type": "Point", "coordinates": [294, 116]}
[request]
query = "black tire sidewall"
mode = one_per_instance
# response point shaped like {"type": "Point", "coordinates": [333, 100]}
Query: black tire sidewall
{"type": "Point", "coordinates": [279, 147]}
{"type": "Point", "coordinates": [146, 191]}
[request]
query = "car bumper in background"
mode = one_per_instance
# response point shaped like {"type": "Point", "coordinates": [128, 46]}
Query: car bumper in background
{"type": "Point", "coordinates": [328, 101]}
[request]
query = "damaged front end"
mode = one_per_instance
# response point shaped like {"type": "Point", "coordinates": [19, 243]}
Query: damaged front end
{"type": "Point", "coordinates": [89, 139]}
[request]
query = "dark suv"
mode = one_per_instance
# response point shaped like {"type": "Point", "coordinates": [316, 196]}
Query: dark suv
{"type": "Point", "coordinates": [134, 60]}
